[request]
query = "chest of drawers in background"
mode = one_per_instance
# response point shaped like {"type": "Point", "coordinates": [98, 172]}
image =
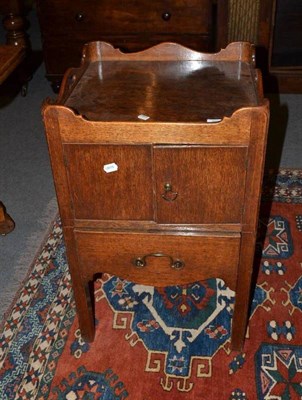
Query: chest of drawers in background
{"type": "Point", "coordinates": [129, 25]}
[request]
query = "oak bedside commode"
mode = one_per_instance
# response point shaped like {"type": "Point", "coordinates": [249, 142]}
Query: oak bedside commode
{"type": "Point", "coordinates": [157, 159]}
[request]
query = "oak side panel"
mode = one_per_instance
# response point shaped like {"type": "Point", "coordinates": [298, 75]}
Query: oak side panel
{"type": "Point", "coordinates": [52, 130]}
{"type": "Point", "coordinates": [256, 157]}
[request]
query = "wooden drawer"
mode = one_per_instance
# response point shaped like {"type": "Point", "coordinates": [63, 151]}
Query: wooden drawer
{"type": "Point", "coordinates": [119, 254]}
{"type": "Point", "coordinates": [81, 17]}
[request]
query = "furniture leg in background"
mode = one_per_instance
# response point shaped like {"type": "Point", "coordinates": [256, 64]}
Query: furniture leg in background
{"type": "Point", "coordinates": [6, 223]}
{"type": "Point", "coordinates": [14, 22]}
{"type": "Point", "coordinates": [10, 58]}
{"type": "Point", "coordinates": [15, 25]}
{"type": "Point", "coordinates": [11, 55]}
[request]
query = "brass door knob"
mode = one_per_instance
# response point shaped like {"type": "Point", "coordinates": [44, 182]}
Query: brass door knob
{"type": "Point", "coordinates": [169, 194]}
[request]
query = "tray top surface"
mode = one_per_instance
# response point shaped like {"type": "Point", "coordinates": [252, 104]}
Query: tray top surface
{"type": "Point", "coordinates": [164, 91]}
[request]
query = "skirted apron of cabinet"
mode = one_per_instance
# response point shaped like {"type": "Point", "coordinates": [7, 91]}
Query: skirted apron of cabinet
{"type": "Point", "coordinates": [157, 159]}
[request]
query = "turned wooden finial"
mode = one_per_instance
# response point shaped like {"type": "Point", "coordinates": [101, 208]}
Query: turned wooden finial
{"type": "Point", "coordinates": [15, 30]}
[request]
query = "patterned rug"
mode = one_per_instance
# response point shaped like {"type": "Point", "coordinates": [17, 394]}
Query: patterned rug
{"type": "Point", "coordinates": [169, 343]}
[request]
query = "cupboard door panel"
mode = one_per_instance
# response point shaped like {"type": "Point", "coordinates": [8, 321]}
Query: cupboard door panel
{"type": "Point", "coordinates": [110, 182]}
{"type": "Point", "coordinates": [199, 184]}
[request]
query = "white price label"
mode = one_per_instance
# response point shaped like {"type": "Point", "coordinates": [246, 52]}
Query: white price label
{"type": "Point", "coordinates": [112, 167]}
{"type": "Point", "coordinates": [143, 117]}
{"type": "Point", "coordinates": [213, 120]}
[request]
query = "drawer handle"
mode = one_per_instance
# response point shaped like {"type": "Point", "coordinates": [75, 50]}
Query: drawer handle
{"type": "Point", "coordinates": [141, 262]}
{"type": "Point", "coordinates": [168, 194]}
{"type": "Point", "coordinates": [166, 16]}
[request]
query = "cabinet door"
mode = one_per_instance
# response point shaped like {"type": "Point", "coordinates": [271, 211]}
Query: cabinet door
{"type": "Point", "coordinates": [199, 184]}
{"type": "Point", "coordinates": [110, 182]}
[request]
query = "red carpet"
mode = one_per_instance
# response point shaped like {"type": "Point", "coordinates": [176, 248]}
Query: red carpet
{"type": "Point", "coordinates": [164, 344]}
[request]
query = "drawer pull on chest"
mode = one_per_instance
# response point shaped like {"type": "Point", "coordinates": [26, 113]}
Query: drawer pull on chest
{"type": "Point", "coordinates": [141, 262]}
{"type": "Point", "coordinates": [168, 194]}
{"type": "Point", "coordinates": [166, 16]}
{"type": "Point", "coordinates": [79, 17]}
